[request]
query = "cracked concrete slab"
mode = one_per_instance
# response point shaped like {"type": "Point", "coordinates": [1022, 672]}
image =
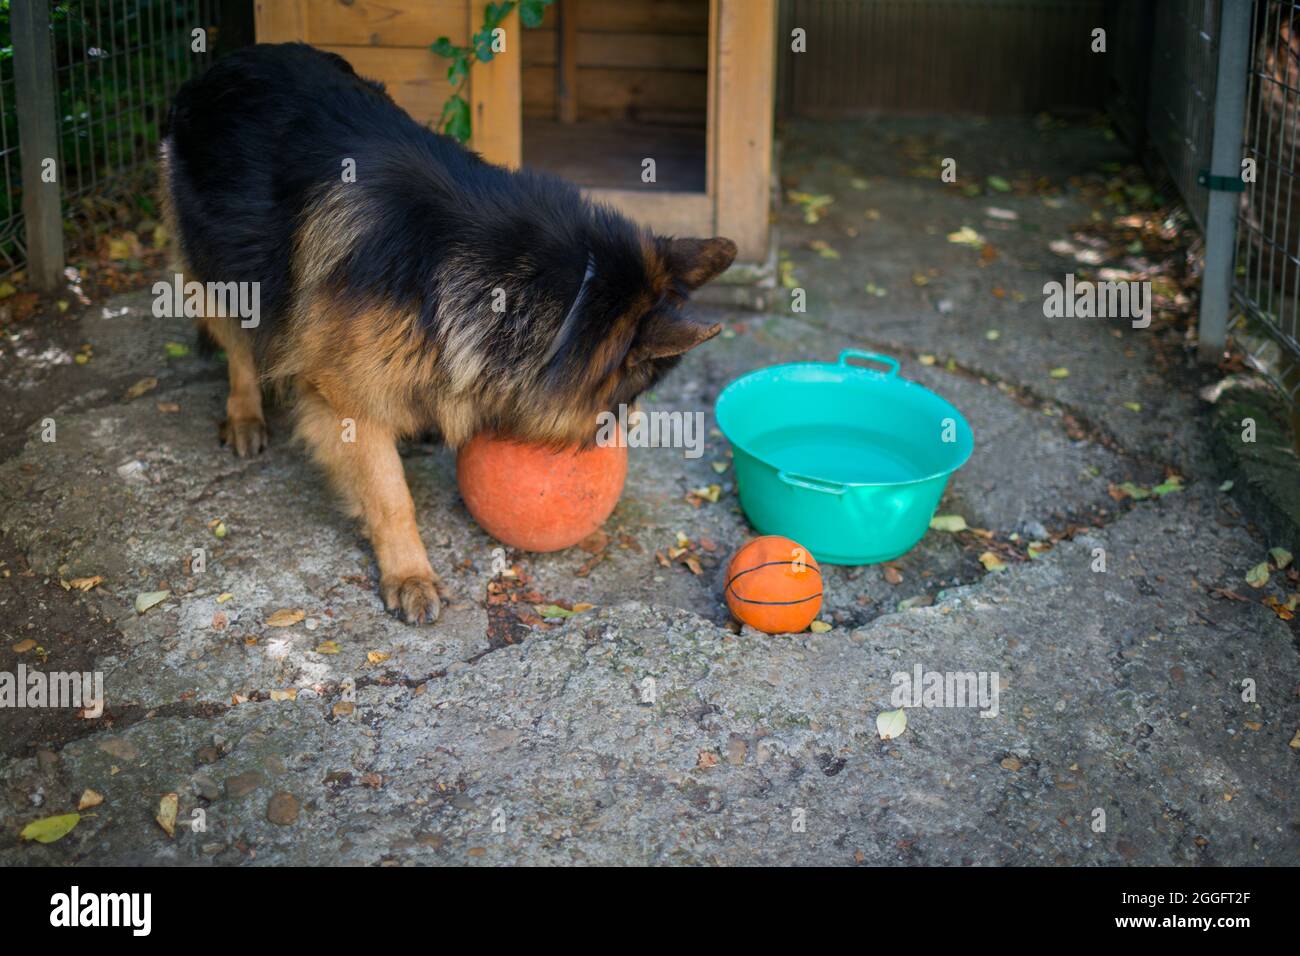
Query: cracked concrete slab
{"type": "Point", "coordinates": [1155, 696]}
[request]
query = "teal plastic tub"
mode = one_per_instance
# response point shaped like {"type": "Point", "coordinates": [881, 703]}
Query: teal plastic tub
{"type": "Point", "coordinates": [849, 461]}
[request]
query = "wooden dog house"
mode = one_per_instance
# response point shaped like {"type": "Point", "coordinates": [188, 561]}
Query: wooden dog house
{"type": "Point", "coordinates": [591, 94]}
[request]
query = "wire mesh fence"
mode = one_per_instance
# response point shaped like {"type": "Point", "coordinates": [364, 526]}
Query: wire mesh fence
{"type": "Point", "coordinates": [1181, 93]}
{"type": "Point", "coordinates": [1267, 275]}
{"type": "Point", "coordinates": [116, 65]}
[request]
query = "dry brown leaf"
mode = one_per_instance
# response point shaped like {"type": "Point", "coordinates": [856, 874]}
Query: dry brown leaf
{"type": "Point", "coordinates": [166, 817]}
{"type": "Point", "coordinates": [89, 798]}
{"type": "Point", "coordinates": [285, 618]}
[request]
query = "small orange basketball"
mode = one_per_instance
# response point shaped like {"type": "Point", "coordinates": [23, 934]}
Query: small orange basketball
{"type": "Point", "coordinates": [775, 585]}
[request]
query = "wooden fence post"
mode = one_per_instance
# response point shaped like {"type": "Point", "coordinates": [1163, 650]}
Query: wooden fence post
{"type": "Point", "coordinates": [38, 138]}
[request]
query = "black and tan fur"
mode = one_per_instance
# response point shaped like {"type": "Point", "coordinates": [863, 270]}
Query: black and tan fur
{"type": "Point", "coordinates": [377, 295]}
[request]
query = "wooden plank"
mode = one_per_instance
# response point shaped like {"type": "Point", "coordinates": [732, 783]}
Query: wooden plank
{"type": "Point", "coordinates": [614, 94]}
{"type": "Point", "coordinates": [643, 51]}
{"type": "Point", "coordinates": [391, 23]}
{"type": "Point", "coordinates": [637, 16]}
{"type": "Point", "coordinates": [711, 119]}
{"type": "Point", "coordinates": [494, 94]}
{"type": "Point", "coordinates": [564, 47]}
{"type": "Point", "coordinates": [280, 21]}
{"type": "Point", "coordinates": [38, 134]}
{"type": "Point", "coordinates": [743, 163]}
{"type": "Point", "coordinates": [667, 213]}
{"type": "Point", "coordinates": [416, 79]}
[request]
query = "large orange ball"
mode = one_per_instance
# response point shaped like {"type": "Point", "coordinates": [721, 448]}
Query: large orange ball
{"type": "Point", "coordinates": [775, 585]}
{"type": "Point", "coordinates": [535, 498]}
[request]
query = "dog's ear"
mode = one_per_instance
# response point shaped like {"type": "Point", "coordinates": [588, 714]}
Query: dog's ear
{"type": "Point", "coordinates": [694, 262]}
{"type": "Point", "coordinates": [664, 334]}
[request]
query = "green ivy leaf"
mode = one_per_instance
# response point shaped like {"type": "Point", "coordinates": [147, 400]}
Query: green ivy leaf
{"type": "Point", "coordinates": [459, 68]}
{"type": "Point", "coordinates": [455, 120]}
{"type": "Point", "coordinates": [444, 47]}
{"type": "Point", "coordinates": [495, 13]}
{"type": "Point", "coordinates": [531, 12]}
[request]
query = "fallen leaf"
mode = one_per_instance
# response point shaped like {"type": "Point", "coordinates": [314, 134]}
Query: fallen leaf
{"type": "Point", "coordinates": [89, 798]}
{"type": "Point", "coordinates": [1133, 406]}
{"type": "Point", "coordinates": [328, 647]}
{"type": "Point", "coordinates": [140, 388]}
{"type": "Point", "coordinates": [710, 493]}
{"type": "Point", "coordinates": [1281, 557]}
{"type": "Point", "coordinates": [893, 575]}
{"type": "Point", "coordinates": [992, 562]}
{"type": "Point", "coordinates": [891, 723]}
{"type": "Point", "coordinates": [1010, 763]}
{"type": "Point", "coordinates": [1168, 486]}
{"type": "Point", "coordinates": [49, 829]}
{"type": "Point", "coordinates": [811, 203]}
{"type": "Point", "coordinates": [148, 599]}
{"type": "Point", "coordinates": [176, 350]}
{"type": "Point", "coordinates": [288, 693]}
{"type": "Point", "coordinates": [285, 618]}
{"type": "Point", "coordinates": [553, 610]}
{"type": "Point", "coordinates": [819, 627]}
{"type": "Point", "coordinates": [1257, 576]}
{"type": "Point", "coordinates": [595, 542]}
{"type": "Point", "coordinates": [223, 597]}
{"type": "Point", "coordinates": [166, 817]}
{"type": "Point", "coordinates": [1059, 373]}
{"type": "Point", "coordinates": [1128, 490]}
{"type": "Point", "coordinates": [998, 183]}
{"type": "Point", "coordinates": [25, 645]}
{"type": "Point", "coordinates": [950, 523]}
{"type": "Point", "coordinates": [86, 584]}
{"type": "Point", "coordinates": [377, 657]}
{"type": "Point", "coordinates": [966, 236]}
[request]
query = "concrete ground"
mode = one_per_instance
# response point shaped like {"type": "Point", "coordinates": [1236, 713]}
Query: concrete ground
{"type": "Point", "coordinates": [1147, 714]}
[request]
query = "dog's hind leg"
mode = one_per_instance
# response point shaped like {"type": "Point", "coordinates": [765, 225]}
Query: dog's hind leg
{"type": "Point", "coordinates": [360, 456]}
{"type": "Point", "coordinates": [244, 429]}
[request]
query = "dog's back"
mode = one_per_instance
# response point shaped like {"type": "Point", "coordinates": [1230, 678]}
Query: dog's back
{"type": "Point", "coordinates": [247, 145]}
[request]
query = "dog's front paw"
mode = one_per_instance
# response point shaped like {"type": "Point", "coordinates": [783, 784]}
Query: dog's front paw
{"type": "Point", "coordinates": [416, 598]}
{"type": "Point", "coordinates": [245, 436]}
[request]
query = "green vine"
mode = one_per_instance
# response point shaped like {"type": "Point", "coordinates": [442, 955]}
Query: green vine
{"type": "Point", "coordinates": [455, 119]}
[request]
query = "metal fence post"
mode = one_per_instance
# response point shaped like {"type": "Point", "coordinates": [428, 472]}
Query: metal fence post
{"type": "Point", "coordinates": [38, 137]}
{"type": "Point", "coordinates": [1224, 176]}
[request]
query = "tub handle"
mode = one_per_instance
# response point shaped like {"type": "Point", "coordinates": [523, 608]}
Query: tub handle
{"type": "Point", "coordinates": [813, 484]}
{"type": "Point", "coordinates": [886, 360]}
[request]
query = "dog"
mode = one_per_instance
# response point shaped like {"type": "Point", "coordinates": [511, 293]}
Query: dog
{"type": "Point", "coordinates": [406, 286]}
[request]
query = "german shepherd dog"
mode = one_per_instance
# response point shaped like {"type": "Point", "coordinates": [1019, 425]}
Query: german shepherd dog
{"type": "Point", "coordinates": [427, 291]}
